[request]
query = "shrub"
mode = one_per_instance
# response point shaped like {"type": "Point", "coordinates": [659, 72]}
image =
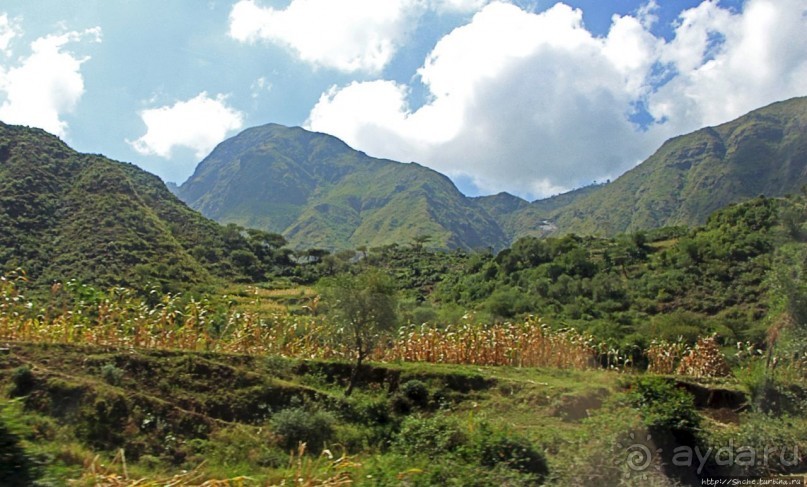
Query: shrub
{"type": "Point", "coordinates": [401, 405]}
{"type": "Point", "coordinates": [238, 445]}
{"type": "Point", "coordinates": [23, 381]}
{"type": "Point", "coordinates": [435, 435]}
{"type": "Point", "coordinates": [416, 391]}
{"type": "Point", "coordinates": [111, 374]}
{"type": "Point", "coordinates": [515, 452]}
{"type": "Point", "coordinates": [665, 406]}
{"type": "Point", "coordinates": [770, 445]}
{"type": "Point", "coordinates": [507, 303]}
{"type": "Point", "coordinates": [371, 411]}
{"type": "Point", "coordinates": [404, 470]}
{"type": "Point", "coordinates": [298, 425]}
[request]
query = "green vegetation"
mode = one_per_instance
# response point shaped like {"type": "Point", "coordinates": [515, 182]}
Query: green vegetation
{"type": "Point", "coordinates": [147, 345]}
{"type": "Point", "coordinates": [691, 176]}
{"type": "Point", "coordinates": [16, 466]}
{"type": "Point", "coordinates": [318, 192]}
{"type": "Point", "coordinates": [65, 215]}
{"type": "Point", "coordinates": [363, 309]}
{"type": "Point", "coordinates": [664, 406]}
{"type": "Point", "coordinates": [297, 425]}
{"type": "Point", "coordinates": [223, 416]}
{"type": "Point", "coordinates": [633, 289]}
{"type": "Point", "coordinates": [73, 412]}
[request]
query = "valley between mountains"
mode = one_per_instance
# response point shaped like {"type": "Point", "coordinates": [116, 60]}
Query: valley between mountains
{"type": "Point", "coordinates": [300, 313]}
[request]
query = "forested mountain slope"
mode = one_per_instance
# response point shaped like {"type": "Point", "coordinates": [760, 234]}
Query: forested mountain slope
{"type": "Point", "coordinates": [65, 215]}
{"type": "Point", "coordinates": [318, 192]}
{"type": "Point", "coordinates": [691, 176]}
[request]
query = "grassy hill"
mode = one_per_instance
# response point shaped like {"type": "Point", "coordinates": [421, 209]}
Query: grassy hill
{"type": "Point", "coordinates": [126, 390]}
{"type": "Point", "coordinates": [691, 176]}
{"type": "Point", "coordinates": [518, 218]}
{"type": "Point", "coordinates": [108, 417]}
{"type": "Point", "coordinates": [65, 215]}
{"type": "Point", "coordinates": [318, 192]}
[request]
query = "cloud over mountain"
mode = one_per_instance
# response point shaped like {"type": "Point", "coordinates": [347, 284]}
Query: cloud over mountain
{"type": "Point", "coordinates": [723, 63]}
{"type": "Point", "coordinates": [198, 124]}
{"type": "Point", "coordinates": [39, 89]}
{"type": "Point", "coordinates": [535, 103]}
{"type": "Point", "coordinates": [349, 35]}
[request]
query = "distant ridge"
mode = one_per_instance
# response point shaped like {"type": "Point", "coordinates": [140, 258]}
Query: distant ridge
{"type": "Point", "coordinates": [691, 176]}
{"type": "Point", "coordinates": [318, 192]}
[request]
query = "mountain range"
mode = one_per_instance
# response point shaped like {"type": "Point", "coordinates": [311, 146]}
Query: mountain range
{"type": "Point", "coordinates": [69, 215]}
{"type": "Point", "coordinates": [318, 192]}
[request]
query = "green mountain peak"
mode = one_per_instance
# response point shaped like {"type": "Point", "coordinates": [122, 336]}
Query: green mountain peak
{"type": "Point", "coordinates": [318, 192]}
{"type": "Point", "coordinates": [689, 177]}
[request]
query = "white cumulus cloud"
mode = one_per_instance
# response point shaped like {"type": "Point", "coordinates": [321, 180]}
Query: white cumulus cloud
{"type": "Point", "coordinates": [535, 103]}
{"type": "Point", "coordinates": [354, 35]}
{"type": "Point", "coordinates": [457, 5]}
{"type": "Point", "coordinates": [9, 29]}
{"type": "Point", "coordinates": [48, 83]}
{"type": "Point", "coordinates": [726, 64]}
{"type": "Point", "coordinates": [198, 124]}
{"type": "Point", "coordinates": [519, 101]}
{"type": "Point", "coordinates": [348, 35]}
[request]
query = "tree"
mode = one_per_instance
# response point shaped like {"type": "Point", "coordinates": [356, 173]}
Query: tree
{"type": "Point", "coordinates": [419, 241]}
{"type": "Point", "coordinates": [362, 249]}
{"type": "Point", "coordinates": [362, 309]}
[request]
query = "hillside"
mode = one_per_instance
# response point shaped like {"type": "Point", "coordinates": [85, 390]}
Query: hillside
{"type": "Point", "coordinates": [318, 192]}
{"type": "Point", "coordinates": [549, 363]}
{"type": "Point", "coordinates": [65, 215]}
{"type": "Point", "coordinates": [689, 177]}
{"type": "Point", "coordinates": [74, 410]}
{"type": "Point", "coordinates": [518, 218]}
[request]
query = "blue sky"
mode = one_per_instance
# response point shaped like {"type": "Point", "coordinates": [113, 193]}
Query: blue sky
{"type": "Point", "coordinates": [533, 97]}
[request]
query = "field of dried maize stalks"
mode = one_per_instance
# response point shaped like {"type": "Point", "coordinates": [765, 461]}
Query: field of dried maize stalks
{"type": "Point", "coordinates": [120, 318]}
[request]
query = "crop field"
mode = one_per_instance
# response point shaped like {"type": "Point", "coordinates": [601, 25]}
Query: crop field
{"type": "Point", "coordinates": [262, 322]}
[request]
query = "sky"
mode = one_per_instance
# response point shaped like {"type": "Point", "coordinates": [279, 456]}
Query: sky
{"type": "Point", "coordinates": [532, 97]}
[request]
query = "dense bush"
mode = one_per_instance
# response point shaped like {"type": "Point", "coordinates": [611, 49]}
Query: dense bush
{"type": "Point", "coordinates": [513, 451]}
{"type": "Point", "coordinates": [298, 425]}
{"type": "Point", "coordinates": [441, 436]}
{"type": "Point", "coordinates": [434, 435]}
{"type": "Point", "coordinates": [416, 391]}
{"type": "Point", "coordinates": [111, 374]}
{"type": "Point", "coordinates": [236, 445]}
{"type": "Point", "coordinates": [762, 445]}
{"type": "Point", "coordinates": [23, 381]}
{"type": "Point", "coordinates": [665, 406]}
{"type": "Point", "coordinates": [667, 282]}
{"type": "Point", "coordinates": [16, 468]}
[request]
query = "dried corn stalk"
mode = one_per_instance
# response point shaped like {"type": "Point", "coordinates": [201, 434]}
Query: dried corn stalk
{"type": "Point", "coordinates": [705, 360]}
